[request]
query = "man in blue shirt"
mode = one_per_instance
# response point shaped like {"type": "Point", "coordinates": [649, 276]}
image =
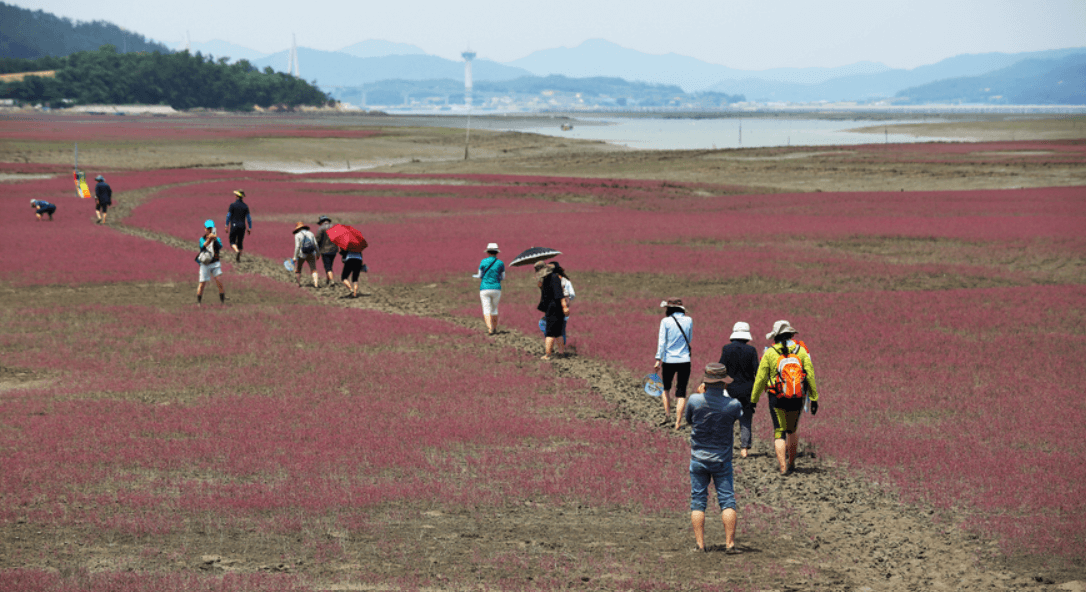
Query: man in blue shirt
{"type": "Point", "coordinates": [712, 414]}
{"type": "Point", "coordinates": [103, 198]}
{"type": "Point", "coordinates": [43, 207]}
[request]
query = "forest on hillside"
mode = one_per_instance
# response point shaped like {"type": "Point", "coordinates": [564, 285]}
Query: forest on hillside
{"type": "Point", "coordinates": [180, 80]}
{"type": "Point", "coordinates": [28, 33]}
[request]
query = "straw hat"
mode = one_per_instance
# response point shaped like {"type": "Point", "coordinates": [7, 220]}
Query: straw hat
{"type": "Point", "coordinates": [300, 226]}
{"type": "Point", "coordinates": [778, 328]}
{"type": "Point", "coordinates": [673, 303]}
{"type": "Point", "coordinates": [716, 373]}
{"type": "Point", "coordinates": [741, 330]}
{"type": "Point", "coordinates": [240, 194]}
{"type": "Point", "coordinates": [542, 270]}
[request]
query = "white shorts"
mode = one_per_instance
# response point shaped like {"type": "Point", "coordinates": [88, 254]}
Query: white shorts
{"type": "Point", "coordinates": [490, 300]}
{"type": "Point", "coordinates": [210, 270]}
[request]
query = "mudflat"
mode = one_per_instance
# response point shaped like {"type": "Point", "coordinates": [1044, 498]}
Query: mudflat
{"type": "Point", "coordinates": [839, 530]}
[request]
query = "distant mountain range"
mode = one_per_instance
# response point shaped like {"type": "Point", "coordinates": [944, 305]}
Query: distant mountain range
{"type": "Point", "coordinates": [333, 68]}
{"type": "Point", "coordinates": [1047, 77]}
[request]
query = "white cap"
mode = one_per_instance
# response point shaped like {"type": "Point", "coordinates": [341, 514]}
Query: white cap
{"type": "Point", "coordinates": [741, 330]}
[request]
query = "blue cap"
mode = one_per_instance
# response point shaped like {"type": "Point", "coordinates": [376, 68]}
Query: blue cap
{"type": "Point", "coordinates": [209, 224]}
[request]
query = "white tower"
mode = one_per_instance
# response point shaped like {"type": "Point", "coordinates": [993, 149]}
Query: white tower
{"type": "Point", "coordinates": [468, 55]}
{"type": "Point", "coordinates": [292, 63]}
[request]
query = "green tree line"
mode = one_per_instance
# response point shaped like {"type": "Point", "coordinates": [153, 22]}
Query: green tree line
{"type": "Point", "coordinates": [180, 80]}
{"type": "Point", "coordinates": [26, 33]}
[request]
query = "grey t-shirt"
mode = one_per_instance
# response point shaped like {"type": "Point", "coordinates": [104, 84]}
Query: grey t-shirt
{"type": "Point", "coordinates": [712, 418]}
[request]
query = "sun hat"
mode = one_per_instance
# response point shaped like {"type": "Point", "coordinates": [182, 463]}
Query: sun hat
{"type": "Point", "coordinates": [492, 247]}
{"type": "Point", "coordinates": [673, 303]}
{"type": "Point", "coordinates": [239, 193]}
{"type": "Point", "coordinates": [323, 219]}
{"type": "Point", "coordinates": [741, 330]}
{"type": "Point", "coordinates": [542, 270]}
{"type": "Point", "coordinates": [99, 178]}
{"type": "Point", "coordinates": [33, 201]}
{"type": "Point", "coordinates": [780, 327]}
{"type": "Point", "coordinates": [209, 223]}
{"type": "Point", "coordinates": [300, 226]}
{"type": "Point", "coordinates": [716, 373]}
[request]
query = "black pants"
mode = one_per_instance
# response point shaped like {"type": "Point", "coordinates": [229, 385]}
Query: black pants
{"type": "Point", "coordinates": [237, 236]}
{"type": "Point", "coordinates": [351, 268]}
{"type": "Point", "coordinates": [681, 371]}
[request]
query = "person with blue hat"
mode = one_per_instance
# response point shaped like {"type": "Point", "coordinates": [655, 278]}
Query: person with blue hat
{"type": "Point", "coordinates": [210, 265]}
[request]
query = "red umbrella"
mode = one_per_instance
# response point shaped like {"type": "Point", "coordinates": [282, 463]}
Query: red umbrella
{"type": "Point", "coordinates": [347, 238]}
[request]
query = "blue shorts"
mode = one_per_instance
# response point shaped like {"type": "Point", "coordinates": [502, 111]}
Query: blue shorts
{"type": "Point", "coordinates": [720, 473]}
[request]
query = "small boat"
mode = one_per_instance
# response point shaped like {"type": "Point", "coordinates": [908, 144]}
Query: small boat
{"type": "Point", "coordinates": [566, 127]}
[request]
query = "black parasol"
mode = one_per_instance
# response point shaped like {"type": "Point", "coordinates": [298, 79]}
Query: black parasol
{"type": "Point", "coordinates": [534, 254]}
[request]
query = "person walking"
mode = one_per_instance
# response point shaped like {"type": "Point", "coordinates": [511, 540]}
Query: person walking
{"type": "Point", "coordinates": [775, 379]}
{"type": "Point", "coordinates": [570, 294]}
{"type": "Point", "coordinates": [553, 305]}
{"type": "Point", "coordinates": [103, 198]}
{"type": "Point", "coordinates": [491, 274]}
{"type": "Point", "coordinates": [305, 251]}
{"type": "Point", "coordinates": [741, 359]}
{"type": "Point", "coordinates": [43, 207]}
{"type": "Point", "coordinates": [237, 216]}
{"type": "Point", "coordinates": [673, 355]}
{"type": "Point", "coordinates": [328, 249]}
{"type": "Point", "coordinates": [352, 266]}
{"type": "Point", "coordinates": [712, 414]}
{"type": "Point", "coordinates": [210, 265]}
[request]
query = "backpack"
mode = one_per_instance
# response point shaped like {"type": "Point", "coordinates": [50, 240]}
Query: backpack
{"type": "Point", "coordinates": [791, 379]}
{"type": "Point", "coordinates": [308, 246]}
{"type": "Point", "coordinates": [207, 253]}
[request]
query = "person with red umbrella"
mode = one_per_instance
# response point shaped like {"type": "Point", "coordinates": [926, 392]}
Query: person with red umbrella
{"type": "Point", "coordinates": [351, 243]}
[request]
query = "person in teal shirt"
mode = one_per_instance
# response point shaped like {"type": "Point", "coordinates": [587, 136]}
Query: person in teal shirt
{"type": "Point", "coordinates": [491, 273]}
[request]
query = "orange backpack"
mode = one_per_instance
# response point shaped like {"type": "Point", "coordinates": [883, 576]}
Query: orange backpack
{"type": "Point", "coordinates": [791, 379]}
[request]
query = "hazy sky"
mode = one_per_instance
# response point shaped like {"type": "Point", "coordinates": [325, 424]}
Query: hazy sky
{"type": "Point", "coordinates": [747, 34]}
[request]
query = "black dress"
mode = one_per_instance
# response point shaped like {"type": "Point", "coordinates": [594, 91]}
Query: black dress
{"type": "Point", "coordinates": [550, 304]}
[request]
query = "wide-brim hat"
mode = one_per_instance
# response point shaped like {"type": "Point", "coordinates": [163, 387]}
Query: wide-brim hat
{"type": "Point", "coordinates": [716, 373]}
{"type": "Point", "coordinates": [492, 247]}
{"type": "Point", "coordinates": [779, 328]}
{"type": "Point", "coordinates": [300, 226]}
{"type": "Point", "coordinates": [741, 330]}
{"type": "Point", "coordinates": [323, 219]}
{"type": "Point", "coordinates": [542, 270]}
{"type": "Point", "coordinates": [673, 303]}
{"type": "Point", "coordinates": [99, 178]}
{"type": "Point", "coordinates": [239, 193]}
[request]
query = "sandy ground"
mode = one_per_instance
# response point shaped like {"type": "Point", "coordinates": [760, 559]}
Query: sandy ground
{"type": "Point", "coordinates": [417, 145]}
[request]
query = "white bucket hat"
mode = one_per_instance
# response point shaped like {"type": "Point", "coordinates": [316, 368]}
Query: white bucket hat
{"type": "Point", "coordinates": [492, 247]}
{"type": "Point", "coordinates": [741, 330]}
{"type": "Point", "coordinates": [778, 328]}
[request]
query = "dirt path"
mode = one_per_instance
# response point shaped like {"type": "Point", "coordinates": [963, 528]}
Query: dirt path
{"type": "Point", "coordinates": [854, 530]}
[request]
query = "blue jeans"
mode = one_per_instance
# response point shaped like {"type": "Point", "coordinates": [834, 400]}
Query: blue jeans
{"type": "Point", "coordinates": [720, 473]}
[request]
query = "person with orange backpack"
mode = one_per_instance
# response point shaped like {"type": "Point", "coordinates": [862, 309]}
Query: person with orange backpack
{"type": "Point", "coordinates": [787, 376]}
